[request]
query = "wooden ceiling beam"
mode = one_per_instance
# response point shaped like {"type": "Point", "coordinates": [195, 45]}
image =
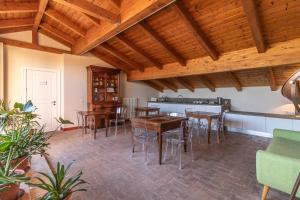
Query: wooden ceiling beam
{"type": "Point", "coordinates": [113, 63]}
{"type": "Point", "coordinates": [194, 28]}
{"type": "Point", "coordinates": [58, 17]}
{"type": "Point", "coordinates": [98, 35]}
{"type": "Point", "coordinates": [116, 3]}
{"type": "Point", "coordinates": [155, 37]}
{"type": "Point", "coordinates": [206, 82]}
{"type": "Point", "coordinates": [28, 45]}
{"type": "Point", "coordinates": [39, 15]}
{"type": "Point", "coordinates": [185, 84]}
{"type": "Point", "coordinates": [279, 54]}
{"type": "Point", "coordinates": [120, 56]}
{"type": "Point", "coordinates": [168, 84]}
{"type": "Point", "coordinates": [12, 23]}
{"type": "Point", "coordinates": [235, 80]}
{"type": "Point", "coordinates": [18, 7]}
{"type": "Point", "coordinates": [54, 37]}
{"type": "Point", "coordinates": [271, 78]}
{"type": "Point", "coordinates": [15, 29]}
{"type": "Point", "coordinates": [57, 33]}
{"type": "Point", "coordinates": [154, 86]}
{"type": "Point", "coordinates": [35, 37]}
{"type": "Point", "coordinates": [255, 24]}
{"type": "Point", "coordinates": [90, 9]}
{"type": "Point", "coordinates": [138, 50]}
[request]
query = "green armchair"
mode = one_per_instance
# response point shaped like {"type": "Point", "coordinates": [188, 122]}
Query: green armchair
{"type": "Point", "coordinates": [279, 165]}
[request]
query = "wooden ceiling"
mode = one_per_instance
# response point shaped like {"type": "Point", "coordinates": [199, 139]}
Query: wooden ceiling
{"type": "Point", "coordinates": [171, 44]}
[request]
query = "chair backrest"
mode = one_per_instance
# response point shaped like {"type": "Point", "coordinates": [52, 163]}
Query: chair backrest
{"type": "Point", "coordinates": [138, 130]}
{"type": "Point", "coordinates": [121, 112]}
{"type": "Point", "coordinates": [183, 125]}
{"type": "Point", "coordinates": [222, 118]}
{"type": "Point", "coordinates": [175, 114]}
{"type": "Point", "coordinates": [79, 117]}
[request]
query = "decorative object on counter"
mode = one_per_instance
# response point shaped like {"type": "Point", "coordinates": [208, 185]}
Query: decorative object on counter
{"type": "Point", "coordinates": [211, 101]}
{"type": "Point", "coordinates": [291, 90]}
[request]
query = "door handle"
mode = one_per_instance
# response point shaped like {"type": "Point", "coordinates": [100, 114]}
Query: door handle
{"type": "Point", "coordinates": [54, 103]}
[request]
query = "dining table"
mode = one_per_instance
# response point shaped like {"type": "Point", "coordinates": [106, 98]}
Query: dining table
{"type": "Point", "coordinates": [160, 124]}
{"type": "Point", "coordinates": [146, 110]}
{"type": "Point", "coordinates": [93, 114]}
{"type": "Point", "coordinates": [209, 116]}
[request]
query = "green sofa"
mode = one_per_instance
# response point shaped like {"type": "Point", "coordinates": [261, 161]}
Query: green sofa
{"type": "Point", "coordinates": [279, 165]}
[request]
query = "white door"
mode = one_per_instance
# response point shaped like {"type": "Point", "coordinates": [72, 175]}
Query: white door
{"type": "Point", "coordinates": [42, 88]}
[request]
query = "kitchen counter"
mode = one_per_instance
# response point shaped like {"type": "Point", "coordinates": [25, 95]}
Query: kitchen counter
{"type": "Point", "coordinates": [186, 103]}
{"type": "Point", "coordinates": [283, 116]}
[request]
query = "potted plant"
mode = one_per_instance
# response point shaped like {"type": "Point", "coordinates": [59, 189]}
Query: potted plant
{"type": "Point", "coordinates": [10, 177]}
{"type": "Point", "coordinates": [32, 139]}
{"type": "Point", "coordinates": [57, 185]}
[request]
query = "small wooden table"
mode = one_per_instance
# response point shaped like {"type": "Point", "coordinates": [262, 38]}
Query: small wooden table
{"type": "Point", "coordinates": [146, 110]}
{"type": "Point", "coordinates": [209, 116]}
{"type": "Point", "coordinates": [160, 124]}
{"type": "Point", "coordinates": [94, 114]}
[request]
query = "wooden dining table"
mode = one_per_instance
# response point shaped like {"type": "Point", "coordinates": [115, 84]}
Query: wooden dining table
{"type": "Point", "coordinates": [209, 116]}
{"type": "Point", "coordinates": [161, 124]}
{"type": "Point", "coordinates": [146, 110]}
{"type": "Point", "coordinates": [102, 114]}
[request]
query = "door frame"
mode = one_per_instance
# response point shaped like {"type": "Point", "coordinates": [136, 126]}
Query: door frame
{"type": "Point", "coordinates": [24, 85]}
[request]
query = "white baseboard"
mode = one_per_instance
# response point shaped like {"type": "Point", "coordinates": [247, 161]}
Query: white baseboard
{"type": "Point", "coordinates": [251, 132]}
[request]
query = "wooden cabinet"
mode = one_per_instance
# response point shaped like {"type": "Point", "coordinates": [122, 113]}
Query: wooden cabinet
{"type": "Point", "coordinates": [103, 89]}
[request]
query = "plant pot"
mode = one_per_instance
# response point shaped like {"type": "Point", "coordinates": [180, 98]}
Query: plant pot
{"type": "Point", "coordinates": [11, 192]}
{"type": "Point", "coordinates": [68, 197]}
{"type": "Point", "coordinates": [24, 163]}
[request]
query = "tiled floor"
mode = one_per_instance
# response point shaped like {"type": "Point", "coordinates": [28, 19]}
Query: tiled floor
{"type": "Point", "coordinates": [225, 171]}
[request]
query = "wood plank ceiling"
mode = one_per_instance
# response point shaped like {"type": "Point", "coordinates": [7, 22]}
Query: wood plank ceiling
{"type": "Point", "coordinates": [170, 44]}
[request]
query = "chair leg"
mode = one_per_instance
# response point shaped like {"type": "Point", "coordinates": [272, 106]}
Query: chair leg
{"type": "Point", "coordinates": [166, 152]}
{"type": "Point", "coordinates": [265, 192]}
{"type": "Point", "coordinates": [192, 152]}
{"type": "Point", "coordinates": [116, 128]}
{"type": "Point", "coordinates": [179, 151]}
{"type": "Point", "coordinates": [125, 128]}
{"type": "Point", "coordinates": [146, 154]}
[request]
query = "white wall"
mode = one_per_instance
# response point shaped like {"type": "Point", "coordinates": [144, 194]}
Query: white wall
{"type": "Point", "coordinates": [137, 90]}
{"type": "Point", "coordinates": [16, 59]}
{"type": "Point", "coordinates": [73, 74]}
{"type": "Point", "coordinates": [252, 99]}
{"type": "Point", "coordinates": [74, 91]}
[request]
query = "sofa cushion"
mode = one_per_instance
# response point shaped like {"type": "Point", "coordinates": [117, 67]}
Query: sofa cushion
{"type": "Point", "coordinates": [285, 147]}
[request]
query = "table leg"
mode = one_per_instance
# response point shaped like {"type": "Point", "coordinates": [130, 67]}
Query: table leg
{"type": "Point", "coordinates": [160, 148]}
{"type": "Point", "coordinates": [218, 135]}
{"type": "Point", "coordinates": [184, 136]}
{"type": "Point", "coordinates": [94, 126]}
{"type": "Point", "coordinates": [106, 126]}
{"type": "Point", "coordinates": [208, 130]}
{"type": "Point", "coordinates": [85, 125]}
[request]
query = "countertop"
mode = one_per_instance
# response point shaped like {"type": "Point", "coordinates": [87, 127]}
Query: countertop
{"type": "Point", "coordinates": [283, 116]}
{"type": "Point", "coordinates": [186, 103]}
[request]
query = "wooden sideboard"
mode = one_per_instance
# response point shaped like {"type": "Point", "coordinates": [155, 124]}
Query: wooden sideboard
{"type": "Point", "coordinates": [103, 90]}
